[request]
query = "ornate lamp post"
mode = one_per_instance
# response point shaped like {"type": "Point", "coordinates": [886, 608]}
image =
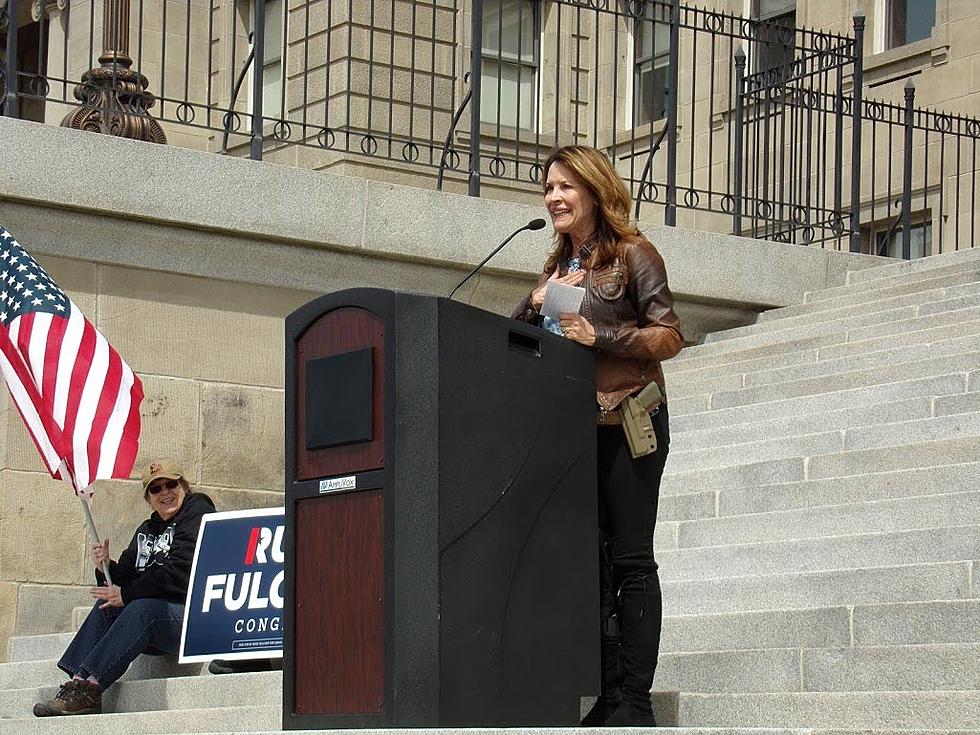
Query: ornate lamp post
{"type": "Point", "coordinates": [113, 96]}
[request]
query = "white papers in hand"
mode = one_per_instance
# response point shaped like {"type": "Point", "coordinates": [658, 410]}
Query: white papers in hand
{"type": "Point", "coordinates": [560, 298]}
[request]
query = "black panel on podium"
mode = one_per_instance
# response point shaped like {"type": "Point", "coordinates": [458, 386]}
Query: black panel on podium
{"type": "Point", "coordinates": [441, 564]}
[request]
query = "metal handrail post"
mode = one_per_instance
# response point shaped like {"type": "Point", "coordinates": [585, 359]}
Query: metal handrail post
{"type": "Point", "coordinates": [670, 213]}
{"type": "Point", "coordinates": [739, 142]}
{"type": "Point", "coordinates": [907, 172]}
{"type": "Point", "coordinates": [856, 115]}
{"type": "Point", "coordinates": [10, 104]}
{"type": "Point", "coordinates": [258, 62]}
{"type": "Point", "coordinates": [476, 79]}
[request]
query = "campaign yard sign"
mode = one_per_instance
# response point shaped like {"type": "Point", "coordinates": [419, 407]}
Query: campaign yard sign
{"type": "Point", "coordinates": [235, 597]}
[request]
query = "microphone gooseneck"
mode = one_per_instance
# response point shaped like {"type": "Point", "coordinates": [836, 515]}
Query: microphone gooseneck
{"type": "Point", "coordinates": [534, 224]}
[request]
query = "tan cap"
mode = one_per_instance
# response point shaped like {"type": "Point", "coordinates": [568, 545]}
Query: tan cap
{"type": "Point", "coordinates": [166, 468]}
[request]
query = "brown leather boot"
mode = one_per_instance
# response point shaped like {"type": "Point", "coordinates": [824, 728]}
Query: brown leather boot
{"type": "Point", "coordinates": [73, 698]}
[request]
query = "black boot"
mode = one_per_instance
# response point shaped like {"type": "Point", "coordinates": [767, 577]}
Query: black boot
{"type": "Point", "coordinates": [629, 715]}
{"type": "Point", "coordinates": [611, 694]}
{"type": "Point", "coordinates": [641, 608]}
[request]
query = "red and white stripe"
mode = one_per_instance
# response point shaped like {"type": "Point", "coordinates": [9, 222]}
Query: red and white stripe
{"type": "Point", "coordinates": [78, 398]}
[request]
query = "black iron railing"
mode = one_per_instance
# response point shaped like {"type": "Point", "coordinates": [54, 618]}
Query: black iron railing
{"type": "Point", "coordinates": [755, 125]}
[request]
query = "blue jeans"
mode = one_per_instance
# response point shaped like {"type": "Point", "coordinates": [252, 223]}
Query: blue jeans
{"type": "Point", "coordinates": [111, 639]}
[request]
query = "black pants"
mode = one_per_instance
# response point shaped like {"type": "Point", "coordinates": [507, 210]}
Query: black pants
{"type": "Point", "coordinates": [632, 607]}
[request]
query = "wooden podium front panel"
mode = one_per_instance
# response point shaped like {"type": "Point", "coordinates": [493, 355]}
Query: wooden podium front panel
{"type": "Point", "coordinates": [336, 332]}
{"type": "Point", "coordinates": [339, 622]}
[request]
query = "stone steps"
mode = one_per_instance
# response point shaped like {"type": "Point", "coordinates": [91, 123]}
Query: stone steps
{"type": "Point", "coordinates": [949, 621]}
{"type": "Point", "coordinates": [888, 668]}
{"type": "Point", "coordinates": [766, 670]}
{"type": "Point", "coordinates": [903, 456]}
{"type": "Point", "coordinates": [885, 279]}
{"type": "Point", "coordinates": [821, 466]}
{"type": "Point", "coordinates": [821, 501]}
{"type": "Point", "coordinates": [875, 516]}
{"type": "Point", "coordinates": [242, 718]}
{"type": "Point", "coordinates": [826, 342]}
{"type": "Point", "coordinates": [735, 376]}
{"type": "Point", "coordinates": [841, 419]}
{"type": "Point", "coordinates": [944, 294]}
{"type": "Point", "coordinates": [39, 672]}
{"type": "Point", "coordinates": [919, 266]}
{"type": "Point", "coordinates": [900, 711]}
{"type": "Point", "coordinates": [821, 553]}
{"type": "Point", "coordinates": [927, 334]}
{"type": "Point", "coordinates": [960, 425]}
{"type": "Point", "coordinates": [812, 363]}
{"type": "Point", "coordinates": [829, 588]}
{"type": "Point", "coordinates": [820, 385]}
{"type": "Point", "coordinates": [774, 332]}
{"type": "Point", "coordinates": [695, 412]}
{"type": "Point", "coordinates": [908, 302]}
{"type": "Point", "coordinates": [688, 460]}
{"type": "Point", "coordinates": [38, 647]}
{"type": "Point", "coordinates": [146, 695]}
{"type": "Point", "coordinates": [956, 284]}
{"type": "Point", "coordinates": [961, 403]}
{"type": "Point", "coordinates": [888, 624]}
{"type": "Point", "coordinates": [820, 493]}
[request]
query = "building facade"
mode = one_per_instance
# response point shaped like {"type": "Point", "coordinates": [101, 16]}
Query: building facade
{"type": "Point", "coordinates": [390, 90]}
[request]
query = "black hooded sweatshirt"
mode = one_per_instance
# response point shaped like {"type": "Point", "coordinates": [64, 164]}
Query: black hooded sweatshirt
{"type": "Point", "coordinates": [158, 560]}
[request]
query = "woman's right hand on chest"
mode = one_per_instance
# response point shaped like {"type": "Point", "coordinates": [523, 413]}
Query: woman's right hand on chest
{"type": "Point", "coordinates": [571, 279]}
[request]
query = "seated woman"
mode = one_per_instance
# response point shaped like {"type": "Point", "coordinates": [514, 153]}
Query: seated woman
{"type": "Point", "coordinates": [143, 610]}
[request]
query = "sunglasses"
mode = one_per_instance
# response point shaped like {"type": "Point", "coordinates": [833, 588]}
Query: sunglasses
{"type": "Point", "coordinates": [158, 487]}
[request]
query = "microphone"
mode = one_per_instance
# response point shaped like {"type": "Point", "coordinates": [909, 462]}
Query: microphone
{"type": "Point", "coordinates": [534, 224]}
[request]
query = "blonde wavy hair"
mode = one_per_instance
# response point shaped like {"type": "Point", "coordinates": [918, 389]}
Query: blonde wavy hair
{"type": "Point", "coordinates": [613, 204]}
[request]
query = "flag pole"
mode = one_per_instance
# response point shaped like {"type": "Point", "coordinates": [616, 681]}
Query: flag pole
{"type": "Point", "coordinates": [95, 534]}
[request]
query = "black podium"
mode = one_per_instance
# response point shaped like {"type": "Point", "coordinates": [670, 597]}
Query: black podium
{"type": "Point", "coordinates": [441, 552]}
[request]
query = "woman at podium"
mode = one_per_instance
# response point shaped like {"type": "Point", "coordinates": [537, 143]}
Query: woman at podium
{"type": "Point", "coordinates": [627, 317]}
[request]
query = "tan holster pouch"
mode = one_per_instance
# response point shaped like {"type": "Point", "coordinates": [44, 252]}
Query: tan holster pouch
{"type": "Point", "coordinates": [634, 412]}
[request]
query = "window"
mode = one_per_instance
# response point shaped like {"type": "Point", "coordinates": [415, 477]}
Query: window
{"type": "Point", "coordinates": [775, 33]}
{"type": "Point", "coordinates": [272, 66]}
{"type": "Point", "coordinates": [32, 47]}
{"type": "Point", "coordinates": [908, 20]}
{"type": "Point", "coordinates": [510, 62]}
{"type": "Point", "coordinates": [272, 59]}
{"type": "Point", "coordinates": [890, 243]}
{"type": "Point", "coordinates": [885, 236]}
{"type": "Point", "coordinates": [651, 52]}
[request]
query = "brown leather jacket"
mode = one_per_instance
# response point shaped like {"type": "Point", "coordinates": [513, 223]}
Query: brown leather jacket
{"type": "Point", "coordinates": [631, 308]}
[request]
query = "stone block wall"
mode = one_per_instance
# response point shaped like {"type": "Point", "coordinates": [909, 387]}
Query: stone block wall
{"type": "Point", "coordinates": [210, 356]}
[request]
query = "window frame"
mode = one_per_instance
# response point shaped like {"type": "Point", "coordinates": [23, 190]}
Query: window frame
{"type": "Point", "coordinates": [762, 51]}
{"type": "Point", "coordinates": [887, 8]}
{"type": "Point", "coordinates": [643, 62]}
{"type": "Point", "coordinates": [269, 111]}
{"type": "Point", "coordinates": [873, 235]}
{"type": "Point", "coordinates": [527, 71]}
{"type": "Point", "coordinates": [892, 248]}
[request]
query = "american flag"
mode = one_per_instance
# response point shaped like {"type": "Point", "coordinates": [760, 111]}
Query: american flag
{"type": "Point", "coordinates": [79, 399]}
